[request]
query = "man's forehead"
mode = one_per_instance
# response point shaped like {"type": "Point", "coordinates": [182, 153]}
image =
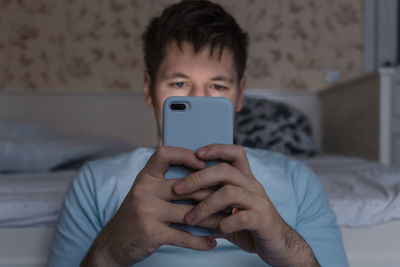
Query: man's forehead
{"type": "Point", "coordinates": [216, 52]}
{"type": "Point", "coordinates": [178, 60]}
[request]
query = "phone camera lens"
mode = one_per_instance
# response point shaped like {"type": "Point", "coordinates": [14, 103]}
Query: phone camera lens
{"type": "Point", "coordinates": [178, 106]}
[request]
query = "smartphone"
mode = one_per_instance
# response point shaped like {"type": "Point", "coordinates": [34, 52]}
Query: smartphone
{"type": "Point", "coordinates": [194, 122]}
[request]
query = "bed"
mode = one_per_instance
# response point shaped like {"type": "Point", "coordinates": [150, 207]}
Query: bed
{"type": "Point", "coordinates": [123, 115]}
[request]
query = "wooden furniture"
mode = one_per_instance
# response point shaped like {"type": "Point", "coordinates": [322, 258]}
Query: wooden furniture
{"type": "Point", "coordinates": [389, 140]}
{"type": "Point", "coordinates": [362, 117]}
{"type": "Point", "coordinates": [350, 118]}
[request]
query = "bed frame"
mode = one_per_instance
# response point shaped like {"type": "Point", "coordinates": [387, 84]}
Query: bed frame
{"type": "Point", "coordinates": [124, 115]}
{"type": "Point", "coordinates": [120, 114]}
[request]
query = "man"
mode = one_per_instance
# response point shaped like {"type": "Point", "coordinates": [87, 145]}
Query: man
{"type": "Point", "coordinates": [280, 216]}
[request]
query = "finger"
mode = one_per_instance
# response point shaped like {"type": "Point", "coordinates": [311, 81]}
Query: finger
{"type": "Point", "coordinates": [233, 154]}
{"type": "Point", "coordinates": [165, 192]}
{"type": "Point", "coordinates": [197, 196]}
{"type": "Point", "coordinates": [222, 173]}
{"type": "Point", "coordinates": [183, 239]}
{"type": "Point", "coordinates": [213, 221]}
{"type": "Point", "coordinates": [227, 196]}
{"type": "Point", "coordinates": [242, 220]}
{"type": "Point", "coordinates": [175, 213]}
{"type": "Point", "coordinates": [166, 156]}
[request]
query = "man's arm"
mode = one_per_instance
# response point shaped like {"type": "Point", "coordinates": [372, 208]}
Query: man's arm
{"type": "Point", "coordinates": [316, 221]}
{"type": "Point", "coordinates": [257, 226]}
{"type": "Point", "coordinates": [141, 223]}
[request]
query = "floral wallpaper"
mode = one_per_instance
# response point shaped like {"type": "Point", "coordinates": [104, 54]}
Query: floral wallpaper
{"type": "Point", "coordinates": [96, 44]}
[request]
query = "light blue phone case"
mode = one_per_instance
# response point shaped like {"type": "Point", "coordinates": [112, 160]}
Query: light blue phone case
{"type": "Point", "coordinates": [204, 121]}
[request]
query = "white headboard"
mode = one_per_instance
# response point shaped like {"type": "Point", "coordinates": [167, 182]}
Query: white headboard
{"type": "Point", "coordinates": [119, 114]}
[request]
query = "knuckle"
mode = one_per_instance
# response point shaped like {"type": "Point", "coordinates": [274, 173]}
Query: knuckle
{"type": "Point", "coordinates": [178, 211]}
{"type": "Point", "coordinates": [161, 152]}
{"type": "Point", "coordinates": [185, 241]}
{"type": "Point", "coordinates": [140, 190]}
{"type": "Point", "coordinates": [248, 194]}
{"type": "Point", "coordinates": [136, 194]}
{"type": "Point", "coordinates": [202, 207]}
{"type": "Point", "coordinates": [244, 218]}
{"type": "Point", "coordinates": [240, 150]}
{"type": "Point", "coordinates": [194, 178]}
{"type": "Point", "coordinates": [229, 193]}
{"type": "Point", "coordinates": [224, 168]}
{"type": "Point", "coordinates": [149, 229]}
{"type": "Point", "coordinates": [258, 186]}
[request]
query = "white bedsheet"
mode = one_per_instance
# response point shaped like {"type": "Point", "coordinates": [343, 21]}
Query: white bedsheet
{"type": "Point", "coordinates": [32, 198]}
{"type": "Point", "coordinates": [361, 192]}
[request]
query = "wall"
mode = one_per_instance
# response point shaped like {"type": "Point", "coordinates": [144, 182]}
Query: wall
{"type": "Point", "coordinates": [96, 45]}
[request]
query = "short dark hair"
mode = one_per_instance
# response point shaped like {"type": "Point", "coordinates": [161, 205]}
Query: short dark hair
{"type": "Point", "coordinates": [199, 23]}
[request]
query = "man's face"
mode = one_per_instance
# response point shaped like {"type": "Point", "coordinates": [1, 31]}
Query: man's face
{"type": "Point", "coordinates": [186, 73]}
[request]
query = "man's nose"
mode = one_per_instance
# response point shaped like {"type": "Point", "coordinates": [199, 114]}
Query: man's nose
{"type": "Point", "coordinates": [200, 92]}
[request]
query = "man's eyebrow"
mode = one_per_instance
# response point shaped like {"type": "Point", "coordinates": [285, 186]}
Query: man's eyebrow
{"type": "Point", "coordinates": [177, 75]}
{"type": "Point", "coordinates": [222, 79]}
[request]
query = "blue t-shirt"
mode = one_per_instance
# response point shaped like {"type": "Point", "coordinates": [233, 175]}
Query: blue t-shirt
{"type": "Point", "coordinates": [100, 187]}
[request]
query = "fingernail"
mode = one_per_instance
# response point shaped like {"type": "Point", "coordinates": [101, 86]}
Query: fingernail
{"type": "Point", "coordinates": [202, 151]}
{"type": "Point", "coordinates": [234, 210]}
{"type": "Point", "coordinates": [180, 185]}
{"type": "Point", "coordinates": [190, 217]}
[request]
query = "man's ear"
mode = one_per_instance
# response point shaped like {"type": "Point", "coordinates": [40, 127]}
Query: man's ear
{"type": "Point", "coordinates": [148, 89]}
{"type": "Point", "coordinates": [242, 86]}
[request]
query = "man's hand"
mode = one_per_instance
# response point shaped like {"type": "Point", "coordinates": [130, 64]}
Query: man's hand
{"type": "Point", "coordinates": [141, 224]}
{"type": "Point", "coordinates": [256, 226]}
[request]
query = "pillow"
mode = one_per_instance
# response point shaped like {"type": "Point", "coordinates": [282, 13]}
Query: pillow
{"type": "Point", "coordinates": [267, 124]}
{"type": "Point", "coordinates": [31, 147]}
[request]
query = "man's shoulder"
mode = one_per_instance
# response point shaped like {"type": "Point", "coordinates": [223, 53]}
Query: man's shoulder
{"type": "Point", "coordinates": [125, 160]}
{"type": "Point", "coordinates": [107, 180]}
{"type": "Point", "coordinates": [270, 160]}
{"type": "Point", "coordinates": [277, 167]}
{"type": "Point", "coordinates": [118, 166]}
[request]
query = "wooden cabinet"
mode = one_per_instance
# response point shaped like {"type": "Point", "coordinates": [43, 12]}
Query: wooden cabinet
{"type": "Point", "coordinates": [350, 118]}
{"type": "Point", "coordinates": [361, 117]}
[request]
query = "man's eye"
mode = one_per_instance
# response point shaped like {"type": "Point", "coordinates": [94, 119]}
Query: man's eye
{"type": "Point", "coordinates": [219, 87]}
{"type": "Point", "coordinates": [178, 84]}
